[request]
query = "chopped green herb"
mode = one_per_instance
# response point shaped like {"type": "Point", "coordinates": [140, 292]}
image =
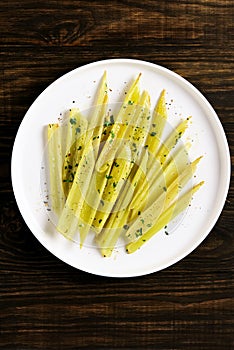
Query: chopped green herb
{"type": "Point", "coordinates": [116, 164]}
{"type": "Point", "coordinates": [109, 177]}
{"type": "Point", "coordinates": [126, 227]}
{"type": "Point", "coordinates": [112, 119]}
{"type": "Point", "coordinates": [130, 102]}
{"type": "Point", "coordinates": [153, 133]}
{"type": "Point", "coordinates": [112, 134]}
{"type": "Point", "coordinates": [77, 130]}
{"type": "Point", "coordinates": [164, 188]}
{"type": "Point", "coordinates": [142, 220]}
{"type": "Point", "coordinates": [79, 148]}
{"type": "Point", "coordinates": [138, 233]}
{"type": "Point", "coordinates": [102, 202]}
{"type": "Point", "coordinates": [149, 225]}
{"type": "Point", "coordinates": [114, 184]}
{"type": "Point", "coordinates": [73, 121]}
{"type": "Point", "coordinates": [178, 137]}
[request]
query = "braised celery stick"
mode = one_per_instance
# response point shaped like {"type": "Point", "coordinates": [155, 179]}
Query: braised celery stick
{"type": "Point", "coordinates": [123, 165]}
{"type": "Point", "coordinates": [175, 209]}
{"type": "Point", "coordinates": [92, 202]}
{"type": "Point", "coordinates": [160, 203]}
{"type": "Point", "coordinates": [75, 128]}
{"type": "Point", "coordinates": [107, 243]}
{"type": "Point", "coordinates": [55, 167]}
{"type": "Point", "coordinates": [159, 119]}
{"type": "Point", "coordinates": [172, 140]}
{"type": "Point", "coordinates": [153, 140]}
{"type": "Point", "coordinates": [109, 237]}
{"type": "Point", "coordinates": [100, 178]}
{"type": "Point", "coordinates": [160, 156]}
{"type": "Point", "coordinates": [179, 183]}
{"type": "Point", "coordinates": [120, 127]}
{"type": "Point", "coordinates": [68, 220]}
{"type": "Point", "coordinates": [162, 177]}
{"type": "Point", "coordinates": [107, 240]}
{"type": "Point", "coordinates": [98, 182]}
{"type": "Point", "coordinates": [162, 200]}
{"type": "Point", "coordinates": [118, 219]}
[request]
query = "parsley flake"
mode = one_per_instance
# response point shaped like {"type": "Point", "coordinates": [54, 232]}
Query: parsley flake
{"type": "Point", "coordinates": [73, 121]}
{"type": "Point", "coordinates": [138, 233]}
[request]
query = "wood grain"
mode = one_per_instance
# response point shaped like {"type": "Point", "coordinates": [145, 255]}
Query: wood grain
{"type": "Point", "coordinates": [46, 304]}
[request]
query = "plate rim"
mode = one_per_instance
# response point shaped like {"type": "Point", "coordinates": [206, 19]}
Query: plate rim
{"type": "Point", "coordinates": [225, 149]}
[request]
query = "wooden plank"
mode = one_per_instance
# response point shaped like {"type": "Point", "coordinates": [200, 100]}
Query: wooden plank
{"type": "Point", "coordinates": [46, 304]}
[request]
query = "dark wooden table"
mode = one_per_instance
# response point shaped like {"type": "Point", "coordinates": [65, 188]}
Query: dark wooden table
{"type": "Point", "coordinates": [45, 304]}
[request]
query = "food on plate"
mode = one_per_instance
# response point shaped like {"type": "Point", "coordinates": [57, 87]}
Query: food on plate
{"type": "Point", "coordinates": [117, 175]}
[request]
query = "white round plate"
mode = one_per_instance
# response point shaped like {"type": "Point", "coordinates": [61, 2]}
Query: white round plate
{"type": "Point", "coordinates": [205, 132]}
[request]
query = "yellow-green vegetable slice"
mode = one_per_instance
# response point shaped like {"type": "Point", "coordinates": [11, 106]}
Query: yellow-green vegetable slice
{"type": "Point", "coordinates": [75, 129]}
{"type": "Point", "coordinates": [159, 159]}
{"type": "Point", "coordinates": [169, 214]}
{"type": "Point", "coordinates": [163, 199]}
{"type": "Point", "coordinates": [68, 220]}
{"type": "Point", "coordinates": [120, 126]}
{"type": "Point", "coordinates": [122, 167]}
{"type": "Point", "coordinates": [159, 119]}
{"type": "Point", "coordinates": [118, 219]}
{"type": "Point", "coordinates": [55, 159]}
{"type": "Point", "coordinates": [98, 182]}
{"type": "Point", "coordinates": [144, 219]}
{"type": "Point", "coordinates": [161, 178]}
